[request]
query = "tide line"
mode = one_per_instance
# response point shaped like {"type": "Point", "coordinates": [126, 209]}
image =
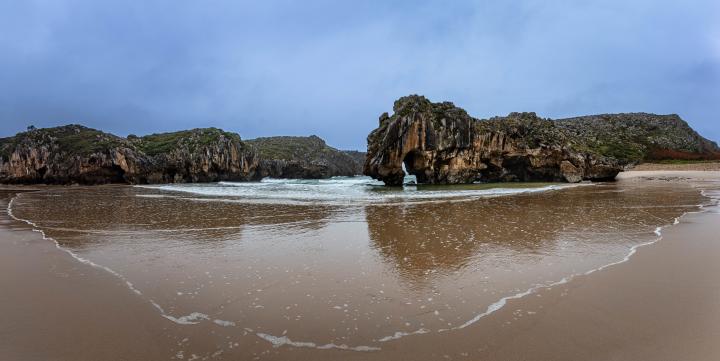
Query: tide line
{"type": "Point", "coordinates": [499, 304]}
{"type": "Point", "coordinates": [190, 319]}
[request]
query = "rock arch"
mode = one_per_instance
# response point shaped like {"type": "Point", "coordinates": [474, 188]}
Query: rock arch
{"type": "Point", "coordinates": [441, 144]}
{"type": "Point", "coordinates": [416, 164]}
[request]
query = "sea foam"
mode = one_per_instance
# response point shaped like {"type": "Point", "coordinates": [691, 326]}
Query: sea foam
{"type": "Point", "coordinates": [341, 191]}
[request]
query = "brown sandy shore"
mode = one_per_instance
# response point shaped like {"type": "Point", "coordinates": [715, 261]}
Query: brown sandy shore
{"type": "Point", "coordinates": [56, 308]}
{"type": "Point", "coordinates": [664, 304]}
{"type": "Point", "coordinates": [693, 166]}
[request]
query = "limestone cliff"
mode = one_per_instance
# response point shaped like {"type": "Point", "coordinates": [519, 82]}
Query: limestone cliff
{"type": "Point", "coordinates": [77, 154]}
{"type": "Point", "coordinates": [303, 157]}
{"type": "Point", "coordinates": [441, 144]}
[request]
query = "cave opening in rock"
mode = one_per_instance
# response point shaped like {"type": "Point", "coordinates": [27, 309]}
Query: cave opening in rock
{"type": "Point", "coordinates": [409, 167]}
{"type": "Point", "coordinates": [41, 172]}
{"type": "Point", "coordinates": [408, 178]}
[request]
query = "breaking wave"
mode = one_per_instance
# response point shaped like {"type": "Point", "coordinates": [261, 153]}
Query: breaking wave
{"type": "Point", "coordinates": [344, 191]}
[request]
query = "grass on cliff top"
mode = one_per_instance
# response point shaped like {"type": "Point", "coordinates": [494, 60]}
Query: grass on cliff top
{"type": "Point", "coordinates": [83, 141]}
{"type": "Point", "coordinates": [7, 146]}
{"type": "Point", "coordinates": [290, 148]}
{"type": "Point", "coordinates": [88, 141]}
{"type": "Point", "coordinates": [628, 152]}
{"type": "Point", "coordinates": [161, 143]}
{"type": "Point", "coordinates": [72, 139]}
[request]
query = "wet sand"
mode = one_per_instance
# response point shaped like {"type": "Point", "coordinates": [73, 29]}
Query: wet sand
{"type": "Point", "coordinates": [663, 304]}
{"type": "Point", "coordinates": [56, 308]}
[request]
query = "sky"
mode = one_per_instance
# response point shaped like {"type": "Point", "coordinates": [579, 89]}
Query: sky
{"type": "Point", "coordinates": [330, 68]}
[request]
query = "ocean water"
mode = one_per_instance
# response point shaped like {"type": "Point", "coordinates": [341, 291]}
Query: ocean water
{"type": "Point", "coordinates": [347, 191]}
{"type": "Point", "coordinates": [346, 263]}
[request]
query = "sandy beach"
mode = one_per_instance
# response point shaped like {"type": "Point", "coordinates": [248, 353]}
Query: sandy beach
{"type": "Point", "coordinates": [57, 308]}
{"type": "Point", "coordinates": [663, 303]}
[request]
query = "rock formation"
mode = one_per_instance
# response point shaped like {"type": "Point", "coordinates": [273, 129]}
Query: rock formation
{"type": "Point", "coordinates": [440, 143]}
{"type": "Point", "coordinates": [77, 154]}
{"type": "Point", "coordinates": [304, 158]}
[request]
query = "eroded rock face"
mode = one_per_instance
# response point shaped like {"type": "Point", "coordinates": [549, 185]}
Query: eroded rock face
{"type": "Point", "coordinates": [304, 158]}
{"type": "Point", "coordinates": [219, 157]}
{"type": "Point", "coordinates": [76, 154]}
{"type": "Point", "coordinates": [44, 165]}
{"type": "Point", "coordinates": [441, 144]}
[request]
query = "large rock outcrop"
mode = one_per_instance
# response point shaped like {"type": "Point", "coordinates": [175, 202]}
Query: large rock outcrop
{"type": "Point", "coordinates": [304, 158]}
{"type": "Point", "coordinates": [440, 143]}
{"type": "Point", "coordinates": [77, 154]}
{"type": "Point", "coordinates": [197, 155]}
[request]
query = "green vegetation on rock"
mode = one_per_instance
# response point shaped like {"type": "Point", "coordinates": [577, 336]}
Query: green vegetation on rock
{"type": "Point", "coordinates": [637, 137]}
{"type": "Point", "coordinates": [77, 154]}
{"type": "Point", "coordinates": [440, 143]}
{"type": "Point", "coordinates": [304, 157]}
{"type": "Point", "coordinates": [72, 139]}
{"type": "Point", "coordinates": [162, 143]}
{"type": "Point", "coordinates": [291, 148]}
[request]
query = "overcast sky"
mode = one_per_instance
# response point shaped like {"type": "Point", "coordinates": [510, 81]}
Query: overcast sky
{"type": "Point", "coordinates": [331, 67]}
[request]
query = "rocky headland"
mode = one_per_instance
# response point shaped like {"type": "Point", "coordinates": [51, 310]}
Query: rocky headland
{"type": "Point", "coordinates": [440, 143]}
{"type": "Point", "coordinates": [304, 158]}
{"type": "Point", "coordinates": [77, 154]}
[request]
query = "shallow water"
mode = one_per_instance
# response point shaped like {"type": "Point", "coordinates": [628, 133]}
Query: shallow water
{"type": "Point", "coordinates": [344, 263]}
{"type": "Point", "coordinates": [343, 191]}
